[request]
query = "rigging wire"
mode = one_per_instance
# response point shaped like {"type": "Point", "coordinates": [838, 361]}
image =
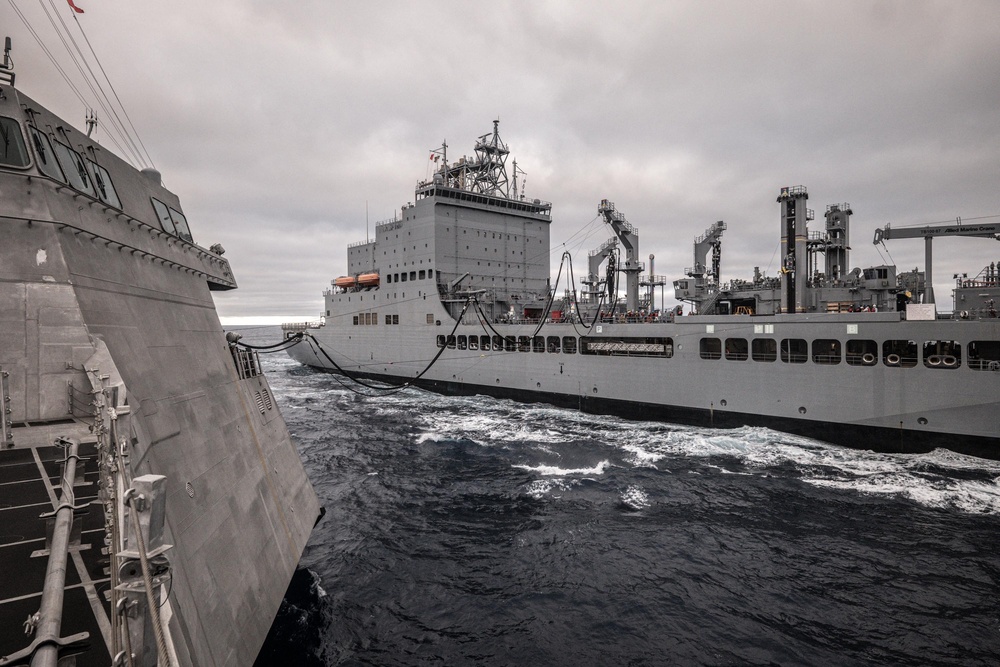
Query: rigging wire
{"type": "Point", "coordinates": [124, 150]}
{"type": "Point", "coordinates": [91, 81]}
{"type": "Point", "coordinates": [112, 86]}
{"type": "Point", "coordinates": [48, 53]}
{"type": "Point", "coordinates": [384, 391]}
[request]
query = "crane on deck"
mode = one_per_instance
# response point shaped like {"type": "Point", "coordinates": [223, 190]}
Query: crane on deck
{"type": "Point", "coordinates": [929, 233]}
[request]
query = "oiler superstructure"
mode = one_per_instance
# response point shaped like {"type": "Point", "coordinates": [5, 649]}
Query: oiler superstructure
{"type": "Point", "coordinates": [153, 504]}
{"type": "Point", "coordinates": [464, 304]}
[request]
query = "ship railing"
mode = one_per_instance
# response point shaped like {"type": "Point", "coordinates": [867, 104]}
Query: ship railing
{"type": "Point", "coordinates": [247, 362]}
{"type": "Point", "coordinates": [302, 326]}
{"type": "Point", "coordinates": [387, 225]}
{"type": "Point", "coordinates": [46, 623]}
{"type": "Point", "coordinates": [134, 509]}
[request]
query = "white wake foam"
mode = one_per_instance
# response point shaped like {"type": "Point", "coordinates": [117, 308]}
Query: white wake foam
{"type": "Point", "coordinates": [555, 471]}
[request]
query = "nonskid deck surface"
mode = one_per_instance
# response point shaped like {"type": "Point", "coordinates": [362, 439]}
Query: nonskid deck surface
{"type": "Point", "coordinates": [29, 486]}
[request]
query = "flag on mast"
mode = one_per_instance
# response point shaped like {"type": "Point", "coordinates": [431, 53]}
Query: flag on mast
{"type": "Point", "coordinates": [75, 8]}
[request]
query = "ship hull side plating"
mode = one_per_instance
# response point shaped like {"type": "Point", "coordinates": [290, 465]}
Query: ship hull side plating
{"type": "Point", "coordinates": [239, 505]}
{"type": "Point", "coordinates": [878, 407]}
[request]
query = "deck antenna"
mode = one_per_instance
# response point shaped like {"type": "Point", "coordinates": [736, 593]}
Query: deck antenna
{"type": "Point", "coordinates": [366, 221]}
{"type": "Point", "coordinates": [7, 68]}
{"type": "Point", "coordinates": [91, 121]}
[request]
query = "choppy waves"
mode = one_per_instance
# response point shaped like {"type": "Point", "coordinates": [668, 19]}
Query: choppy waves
{"type": "Point", "coordinates": [472, 530]}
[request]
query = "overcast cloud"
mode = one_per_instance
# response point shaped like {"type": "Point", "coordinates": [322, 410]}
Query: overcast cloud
{"type": "Point", "coordinates": [276, 123]}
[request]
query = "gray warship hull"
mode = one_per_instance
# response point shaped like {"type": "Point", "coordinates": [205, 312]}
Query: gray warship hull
{"type": "Point", "coordinates": [454, 295]}
{"type": "Point", "coordinates": [875, 407]}
{"type": "Point", "coordinates": [106, 314]}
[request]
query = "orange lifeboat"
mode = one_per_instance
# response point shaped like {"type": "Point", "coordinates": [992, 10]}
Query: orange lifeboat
{"type": "Point", "coordinates": [368, 280]}
{"type": "Point", "coordinates": [344, 281]}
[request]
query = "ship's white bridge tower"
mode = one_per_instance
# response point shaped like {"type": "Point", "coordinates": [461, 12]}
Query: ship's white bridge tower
{"type": "Point", "coordinates": [794, 248]}
{"type": "Point", "coordinates": [629, 236]}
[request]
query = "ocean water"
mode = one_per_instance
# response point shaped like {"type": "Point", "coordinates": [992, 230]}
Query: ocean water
{"type": "Point", "coordinates": [477, 531]}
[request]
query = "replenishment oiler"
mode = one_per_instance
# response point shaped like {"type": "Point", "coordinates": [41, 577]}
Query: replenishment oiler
{"type": "Point", "coordinates": [454, 295]}
{"type": "Point", "coordinates": [153, 506]}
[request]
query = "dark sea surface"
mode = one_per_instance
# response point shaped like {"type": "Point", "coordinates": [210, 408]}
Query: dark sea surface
{"type": "Point", "coordinates": [477, 531]}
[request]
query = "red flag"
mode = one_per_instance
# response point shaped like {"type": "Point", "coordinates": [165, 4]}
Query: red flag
{"type": "Point", "coordinates": [75, 8]}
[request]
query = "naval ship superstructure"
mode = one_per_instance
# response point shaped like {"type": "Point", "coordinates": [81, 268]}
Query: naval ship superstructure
{"type": "Point", "coordinates": [454, 295]}
{"type": "Point", "coordinates": [152, 504]}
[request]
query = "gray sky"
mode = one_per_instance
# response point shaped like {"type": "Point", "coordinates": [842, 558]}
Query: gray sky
{"type": "Point", "coordinates": [276, 122]}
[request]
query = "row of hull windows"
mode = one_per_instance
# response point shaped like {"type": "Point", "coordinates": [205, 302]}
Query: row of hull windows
{"type": "Point", "coordinates": [60, 162]}
{"type": "Point", "coordinates": [413, 275]}
{"type": "Point", "coordinates": [979, 355]}
{"type": "Point", "coordinates": [369, 319]}
{"type": "Point", "coordinates": [629, 347]}
{"type": "Point", "coordinates": [553, 344]}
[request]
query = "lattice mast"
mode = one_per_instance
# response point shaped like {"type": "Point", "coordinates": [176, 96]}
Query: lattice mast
{"type": "Point", "coordinates": [486, 173]}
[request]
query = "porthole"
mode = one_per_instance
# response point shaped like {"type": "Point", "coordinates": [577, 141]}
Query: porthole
{"type": "Point", "coordinates": [922, 421]}
{"type": "Point", "coordinates": [723, 403]}
{"type": "Point", "coordinates": [802, 410]}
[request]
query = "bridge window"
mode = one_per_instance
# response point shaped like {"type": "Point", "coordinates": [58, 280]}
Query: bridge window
{"type": "Point", "coordinates": [569, 344]}
{"type": "Point", "coordinates": [423, 274]}
{"type": "Point", "coordinates": [72, 165]}
{"type": "Point", "coordinates": [484, 343]}
{"type": "Point", "coordinates": [510, 344]}
{"type": "Point", "coordinates": [862, 352]}
{"type": "Point", "coordinates": [441, 340]}
{"type": "Point", "coordinates": [764, 349]}
{"type": "Point", "coordinates": [451, 342]}
{"type": "Point", "coordinates": [413, 275]}
{"type": "Point", "coordinates": [984, 355]}
{"type": "Point", "coordinates": [163, 215]}
{"type": "Point", "coordinates": [902, 353]}
{"type": "Point", "coordinates": [498, 343]}
{"type": "Point", "coordinates": [105, 188]}
{"type": "Point", "coordinates": [553, 344]}
{"type": "Point", "coordinates": [181, 223]}
{"type": "Point", "coordinates": [794, 351]}
{"type": "Point", "coordinates": [523, 344]}
{"type": "Point", "coordinates": [463, 343]}
{"type": "Point", "coordinates": [826, 351]}
{"type": "Point", "coordinates": [473, 342]}
{"type": "Point", "coordinates": [13, 152]}
{"type": "Point", "coordinates": [538, 344]}
{"type": "Point", "coordinates": [942, 354]}
{"type": "Point", "coordinates": [710, 348]}
{"type": "Point", "coordinates": [736, 349]}
{"type": "Point", "coordinates": [46, 158]}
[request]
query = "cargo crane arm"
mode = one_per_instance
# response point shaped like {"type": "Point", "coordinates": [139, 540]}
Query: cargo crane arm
{"type": "Point", "coordinates": [629, 236]}
{"type": "Point", "coordinates": [928, 233]}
